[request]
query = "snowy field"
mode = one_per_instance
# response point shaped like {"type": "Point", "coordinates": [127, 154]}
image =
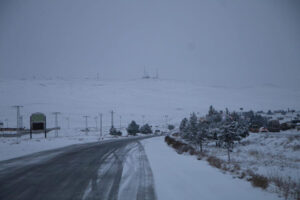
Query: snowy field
{"type": "Point", "coordinates": [267, 153]}
{"type": "Point", "coordinates": [273, 155]}
{"type": "Point", "coordinates": [157, 102]}
{"type": "Point", "coordinates": [184, 177]}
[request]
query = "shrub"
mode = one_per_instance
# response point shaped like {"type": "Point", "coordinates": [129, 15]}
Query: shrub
{"type": "Point", "coordinates": [192, 151]}
{"type": "Point", "coordinates": [260, 181]}
{"type": "Point", "coordinates": [177, 145]}
{"type": "Point", "coordinates": [180, 146]}
{"type": "Point", "coordinates": [286, 186]}
{"type": "Point", "coordinates": [236, 167]}
{"type": "Point", "coordinates": [215, 162]}
{"type": "Point", "coordinates": [167, 138]}
{"type": "Point", "coordinates": [201, 155]}
{"type": "Point", "coordinates": [243, 174]}
{"type": "Point", "coordinates": [185, 148]}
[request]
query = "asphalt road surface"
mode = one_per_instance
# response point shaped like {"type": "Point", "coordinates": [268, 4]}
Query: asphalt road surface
{"type": "Point", "coordinates": [108, 170]}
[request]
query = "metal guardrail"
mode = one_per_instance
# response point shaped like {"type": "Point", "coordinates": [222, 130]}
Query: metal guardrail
{"type": "Point", "coordinates": [24, 132]}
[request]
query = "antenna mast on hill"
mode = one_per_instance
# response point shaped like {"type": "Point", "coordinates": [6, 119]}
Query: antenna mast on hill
{"type": "Point", "coordinates": [146, 76]}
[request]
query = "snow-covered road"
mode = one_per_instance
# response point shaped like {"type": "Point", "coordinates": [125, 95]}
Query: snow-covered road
{"type": "Point", "coordinates": [111, 170]}
{"type": "Point", "coordinates": [180, 177]}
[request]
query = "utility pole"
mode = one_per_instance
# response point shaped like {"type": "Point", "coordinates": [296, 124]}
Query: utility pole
{"type": "Point", "coordinates": [86, 124]}
{"type": "Point", "coordinates": [68, 120]}
{"type": "Point", "coordinates": [20, 121]}
{"type": "Point", "coordinates": [100, 116]}
{"type": "Point", "coordinates": [120, 122]}
{"type": "Point", "coordinates": [96, 120]}
{"type": "Point", "coordinates": [18, 116]}
{"type": "Point", "coordinates": [112, 118]}
{"type": "Point", "coordinates": [56, 122]}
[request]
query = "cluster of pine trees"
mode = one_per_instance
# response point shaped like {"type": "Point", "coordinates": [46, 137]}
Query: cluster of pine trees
{"type": "Point", "coordinates": [133, 128]}
{"type": "Point", "coordinates": [222, 127]}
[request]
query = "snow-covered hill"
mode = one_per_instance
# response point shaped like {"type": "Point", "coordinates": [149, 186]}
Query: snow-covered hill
{"type": "Point", "coordinates": [132, 99]}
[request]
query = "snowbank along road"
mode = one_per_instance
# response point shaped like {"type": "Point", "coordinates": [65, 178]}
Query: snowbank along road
{"type": "Point", "coordinates": [111, 170]}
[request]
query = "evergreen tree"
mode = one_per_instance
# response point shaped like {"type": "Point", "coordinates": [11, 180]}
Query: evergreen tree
{"type": "Point", "coordinates": [183, 125]}
{"type": "Point", "coordinates": [227, 137]}
{"type": "Point", "coordinates": [146, 129]}
{"type": "Point", "coordinates": [269, 112]}
{"type": "Point", "coordinates": [235, 116]}
{"type": "Point", "coordinates": [133, 128]}
{"type": "Point", "coordinates": [226, 111]}
{"type": "Point", "coordinates": [259, 120]}
{"type": "Point", "coordinates": [183, 128]}
{"type": "Point", "coordinates": [192, 127]}
{"type": "Point", "coordinates": [202, 134]}
{"type": "Point", "coordinates": [211, 111]}
{"type": "Point", "coordinates": [171, 127]}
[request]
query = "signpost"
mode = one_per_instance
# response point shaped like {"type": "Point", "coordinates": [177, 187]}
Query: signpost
{"type": "Point", "coordinates": [38, 122]}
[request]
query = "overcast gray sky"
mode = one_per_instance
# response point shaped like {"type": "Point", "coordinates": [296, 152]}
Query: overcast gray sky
{"type": "Point", "coordinates": [215, 41]}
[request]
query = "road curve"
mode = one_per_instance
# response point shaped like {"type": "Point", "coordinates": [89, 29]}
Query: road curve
{"type": "Point", "coordinates": [109, 170]}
